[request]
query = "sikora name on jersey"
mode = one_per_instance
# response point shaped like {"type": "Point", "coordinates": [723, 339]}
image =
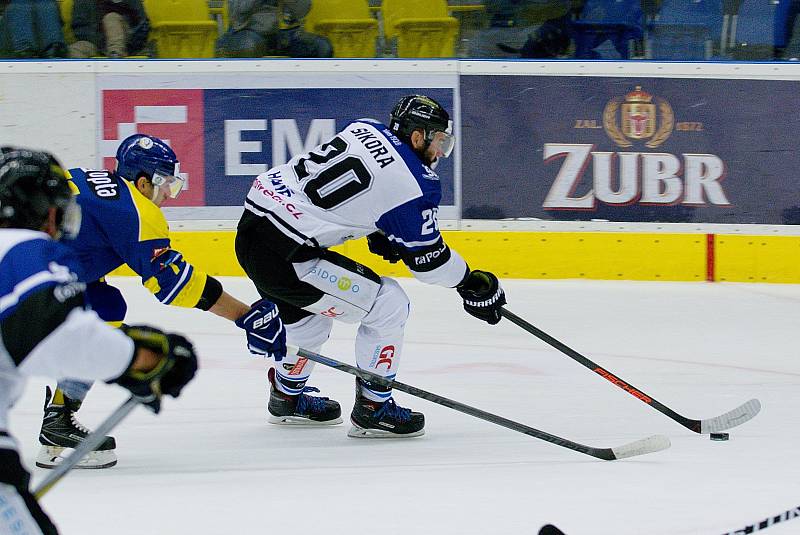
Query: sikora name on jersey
{"type": "Point", "coordinates": [374, 145]}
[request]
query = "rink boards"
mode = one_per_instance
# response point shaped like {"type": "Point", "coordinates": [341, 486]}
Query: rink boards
{"type": "Point", "coordinates": [563, 169]}
{"type": "Point", "coordinates": [565, 255]}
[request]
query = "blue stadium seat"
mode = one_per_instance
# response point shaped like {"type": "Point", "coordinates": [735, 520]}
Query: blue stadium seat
{"type": "Point", "coordinates": [761, 26]}
{"type": "Point", "coordinates": [685, 29]}
{"type": "Point", "coordinates": [617, 22]}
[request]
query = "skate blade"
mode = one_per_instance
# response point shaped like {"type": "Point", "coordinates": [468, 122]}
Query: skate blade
{"type": "Point", "coordinates": [51, 456]}
{"type": "Point", "coordinates": [360, 432]}
{"type": "Point", "coordinates": [299, 421]}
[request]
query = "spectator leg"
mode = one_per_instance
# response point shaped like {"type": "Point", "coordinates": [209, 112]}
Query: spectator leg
{"type": "Point", "coordinates": [19, 20]}
{"type": "Point", "coordinates": [241, 44]}
{"type": "Point", "coordinates": [116, 31]}
{"type": "Point", "coordinates": [300, 44]}
{"type": "Point", "coordinates": [48, 23]}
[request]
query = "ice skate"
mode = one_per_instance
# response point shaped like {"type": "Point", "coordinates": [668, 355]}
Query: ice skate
{"type": "Point", "coordinates": [61, 432]}
{"type": "Point", "coordinates": [302, 409]}
{"type": "Point", "coordinates": [375, 419]}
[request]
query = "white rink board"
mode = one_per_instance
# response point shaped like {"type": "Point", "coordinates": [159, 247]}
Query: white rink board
{"type": "Point", "coordinates": [210, 463]}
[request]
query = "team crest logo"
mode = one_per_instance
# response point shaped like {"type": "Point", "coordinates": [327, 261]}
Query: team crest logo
{"type": "Point", "coordinates": [638, 116]}
{"type": "Point", "coordinates": [146, 143]}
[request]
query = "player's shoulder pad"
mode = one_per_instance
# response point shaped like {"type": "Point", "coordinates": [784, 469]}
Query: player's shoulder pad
{"type": "Point", "coordinates": [95, 184]}
{"type": "Point", "coordinates": [26, 253]}
{"type": "Point", "coordinates": [152, 223]}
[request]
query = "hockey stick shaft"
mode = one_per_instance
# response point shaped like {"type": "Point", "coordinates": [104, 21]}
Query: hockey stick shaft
{"type": "Point", "coordinates": [638, 448]}
{"type": "Point", "coordinates": [88, 444]}
{"type": "Point", "coordinates": [737, 416]}
{"type": "Point", "coordinates": [767, 522]}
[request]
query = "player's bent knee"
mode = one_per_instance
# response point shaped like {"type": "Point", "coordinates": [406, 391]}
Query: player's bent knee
{"type": "Point", "coordinates": [310, 332]}
{"type": "Point", "coordinates": [391, 307]}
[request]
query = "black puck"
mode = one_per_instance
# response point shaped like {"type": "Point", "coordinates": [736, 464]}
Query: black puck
{"type": "Point", "coordinates": [719, 436]}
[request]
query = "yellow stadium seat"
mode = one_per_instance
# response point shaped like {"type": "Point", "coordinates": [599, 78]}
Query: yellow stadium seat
{"type": "Point", "coordinates": [348, 24]}
{"type": "Point", "coordinates": [65, 6]}
{"type": "Point", "coordinates": [181, 28]}
{"type": "Point", "coordinates": [218, 9]}
{"type": "Point", "coordinates": [423, 28]}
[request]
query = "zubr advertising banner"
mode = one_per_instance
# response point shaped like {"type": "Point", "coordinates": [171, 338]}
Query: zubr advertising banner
{"type": "Point", "coordinates": [630, 149]}
{"type": "Point", "coordinates": [225, 137]}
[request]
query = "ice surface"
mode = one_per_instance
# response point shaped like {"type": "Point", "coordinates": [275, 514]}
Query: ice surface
{"type": "Point", "coordinates": [210, 464]}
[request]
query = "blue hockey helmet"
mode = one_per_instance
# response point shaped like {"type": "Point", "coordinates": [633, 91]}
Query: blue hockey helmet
{"type": "Point", "coordinates": [141, 154]}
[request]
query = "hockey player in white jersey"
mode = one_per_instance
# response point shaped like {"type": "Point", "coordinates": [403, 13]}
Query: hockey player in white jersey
{"type": "Point", "coordinates": [46, 328]}
{"type": "Point", "coordinates": [369, 180]}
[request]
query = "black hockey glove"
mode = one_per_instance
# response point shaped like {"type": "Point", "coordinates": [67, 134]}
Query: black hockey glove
{"type": "Point", "coordinates": [380, 245]}
{"type": "Point", "coordinates": [483, 296]}
{"type": "Point", "coordinates": [176, 367]}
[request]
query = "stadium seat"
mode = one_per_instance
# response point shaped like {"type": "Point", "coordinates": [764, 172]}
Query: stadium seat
{"type": "Point", "coordinates": [759, 28]}
{"type": "Point", "coordinates": [423, 28]}
{"type": "Point", "coordinates": [348, 24]}
{"type": "Point", "coordinates": [181, 28]}
{"type": "Point", "coordinates": [218, 9]}
{"type": "Point", "coordinates": [65, 7]}
{"type": "Point", "coordinates": [616, 21]}
{"type": "Point", "coordinates": [685, 30]}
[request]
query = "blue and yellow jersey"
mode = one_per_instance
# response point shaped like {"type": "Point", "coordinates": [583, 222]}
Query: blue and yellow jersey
{"type": "Point", "coordinates": [121, 226]}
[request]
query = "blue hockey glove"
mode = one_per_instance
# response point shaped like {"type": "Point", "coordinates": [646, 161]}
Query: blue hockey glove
{"type": "Point", "coordinates": [266, 334]}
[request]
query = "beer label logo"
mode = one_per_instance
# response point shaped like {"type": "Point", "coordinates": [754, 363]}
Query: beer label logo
{"type": "Point", "coordinates": [638, 116]}
{"type": "Point", "coordinates": [635, 122]}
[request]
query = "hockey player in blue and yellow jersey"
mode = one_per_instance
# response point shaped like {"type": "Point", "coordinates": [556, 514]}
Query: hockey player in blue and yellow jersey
{"type": "Point", "coordinates": [123, 224]}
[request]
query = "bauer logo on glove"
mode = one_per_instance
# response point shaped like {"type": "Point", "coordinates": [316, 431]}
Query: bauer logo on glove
{"type": "Point", "coordinates": [260, 322]}
{"type": "Point", "coordinates": [266, 335]}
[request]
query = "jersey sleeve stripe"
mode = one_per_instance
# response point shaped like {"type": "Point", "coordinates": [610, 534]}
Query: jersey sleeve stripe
{"type": "Point", "coordinates": [184, 278]}
{"type": "Point", "coordinates": [404, 243]}
{"type": "Point", "coordinates": [26, 285]}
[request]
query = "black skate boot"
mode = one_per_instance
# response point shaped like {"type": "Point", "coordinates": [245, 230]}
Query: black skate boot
{"type": "Point", "coordinates": [375, 419]}
{"type": "Point", "coordinates": [60, 429]}
{"type": "Point", "coordinates": [301, 409]}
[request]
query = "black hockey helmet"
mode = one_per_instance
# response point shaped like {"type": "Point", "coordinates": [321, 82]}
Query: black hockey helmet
{"type": "Point", "coordinates": [31, 182]}
{"type": "Point", "coordinates": [418, 112]}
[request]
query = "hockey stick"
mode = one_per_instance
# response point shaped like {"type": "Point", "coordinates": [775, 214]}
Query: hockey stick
{"type": "Point", "coordinates": [767, 522]}
{"type": "Point", "coordinates": [89, 444]}
{"type": "Point", "coordinates": [638, 447]}
{"type": "Point", "coordinates": [730, 419]}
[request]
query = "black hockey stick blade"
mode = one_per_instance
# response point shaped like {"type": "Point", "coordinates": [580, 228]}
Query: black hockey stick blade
{"type": "Point", "coordinates": [88, 444]}
{"type": "Point", "coordinates": [550, 529]}
{"type": "Point", "coordinates": [639, 447]}
{"type": "Point", "coordinates": [738, 416]}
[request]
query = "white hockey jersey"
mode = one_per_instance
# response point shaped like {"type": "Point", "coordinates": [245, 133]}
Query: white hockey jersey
{"type": "Point", "coordinates": [45, 327]}
{"type": "Point", "coordinates": [364, 179]}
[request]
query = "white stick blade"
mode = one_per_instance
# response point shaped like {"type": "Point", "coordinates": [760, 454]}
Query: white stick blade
{"type": "Point", "coordinates": [642, 447]}
{"type": "Point", "coordinates": [737, 416]}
